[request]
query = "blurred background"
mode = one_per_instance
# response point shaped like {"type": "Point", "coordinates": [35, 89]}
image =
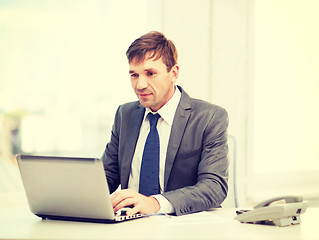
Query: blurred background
{"type": "Point", "coordinates": [63, 73]}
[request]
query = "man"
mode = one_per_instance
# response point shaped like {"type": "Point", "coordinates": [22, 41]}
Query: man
{"type": "Point", "coordinates": [190, 159]}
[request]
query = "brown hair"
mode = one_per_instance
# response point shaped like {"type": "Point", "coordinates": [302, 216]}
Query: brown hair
{"type": "Point", "coordinates": [156, 44]}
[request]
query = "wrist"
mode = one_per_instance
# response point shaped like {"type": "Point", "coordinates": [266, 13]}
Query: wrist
{"type": "Point", "coordinates": [156, 205]}
{"type": "Point", "coordinates": [164, 205]}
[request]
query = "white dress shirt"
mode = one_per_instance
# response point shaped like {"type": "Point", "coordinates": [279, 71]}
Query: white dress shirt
{"type": "Point", "coordinates": [164, 125]}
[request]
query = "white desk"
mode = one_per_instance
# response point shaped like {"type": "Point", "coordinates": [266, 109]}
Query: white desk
{"type": "Point", "coordinates": [17, 222]}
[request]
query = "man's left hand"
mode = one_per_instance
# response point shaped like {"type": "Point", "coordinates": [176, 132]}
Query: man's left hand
{"type": "Point", "coordinates": [140, 203]}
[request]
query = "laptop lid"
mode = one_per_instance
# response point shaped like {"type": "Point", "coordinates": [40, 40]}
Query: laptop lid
{"type": "Point", "coordinates": [69, 188]}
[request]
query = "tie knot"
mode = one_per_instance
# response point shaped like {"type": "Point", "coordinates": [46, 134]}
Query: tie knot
{"type": "Point", "coordinates": [153, 119]}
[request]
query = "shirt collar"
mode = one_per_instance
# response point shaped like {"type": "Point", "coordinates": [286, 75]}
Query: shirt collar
{"type": "Point", "coordinates": [167, 112]}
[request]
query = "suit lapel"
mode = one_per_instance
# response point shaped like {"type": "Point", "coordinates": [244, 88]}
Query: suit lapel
{"type": "Point", "coordinates": [178, 128]}
{"type": "Point", "coordinates": [132, 135]}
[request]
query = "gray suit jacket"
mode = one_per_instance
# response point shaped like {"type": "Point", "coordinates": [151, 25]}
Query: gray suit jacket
{"type": "Point", "coordinates": [196, 167]}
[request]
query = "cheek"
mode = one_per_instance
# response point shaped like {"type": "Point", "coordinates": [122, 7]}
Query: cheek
{"type": "Point", "coordinates": [165, 85]}
{"type": "Point", "coordinates": [160, 85]}
{"type": "Point", "coordinates": [133, 84]}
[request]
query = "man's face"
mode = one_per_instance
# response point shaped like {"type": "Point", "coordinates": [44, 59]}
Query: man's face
{"type": "Point", "coordinates": [151, 82]}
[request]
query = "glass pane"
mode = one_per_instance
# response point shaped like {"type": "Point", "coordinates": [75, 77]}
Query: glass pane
{"type": "Point", "coordinates": [286, 90]}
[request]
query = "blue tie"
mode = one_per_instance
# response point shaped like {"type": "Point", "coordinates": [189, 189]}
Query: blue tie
{"type": "Point", "coordinates": [149, 180]}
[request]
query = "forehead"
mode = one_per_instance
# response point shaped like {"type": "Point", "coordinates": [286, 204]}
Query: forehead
{"type": "Point", "coordinates": [146, 63]}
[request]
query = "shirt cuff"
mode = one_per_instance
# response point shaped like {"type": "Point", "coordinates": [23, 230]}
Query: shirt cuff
{"type": "Point", "coordinates": [165, 205]}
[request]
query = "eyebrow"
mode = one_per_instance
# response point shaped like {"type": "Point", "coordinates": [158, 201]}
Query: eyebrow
{"type": "Point", "coordinates": [145, 70]}
{"type": "Point", "coordinates": [150, 70]}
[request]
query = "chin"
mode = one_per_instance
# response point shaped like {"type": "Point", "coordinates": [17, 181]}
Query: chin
{"type": "Point", "coordinates": [145, 104]}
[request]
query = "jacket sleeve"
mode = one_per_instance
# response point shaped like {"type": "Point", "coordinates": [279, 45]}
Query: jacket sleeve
{"type": "Point", "coordinates": [110, 157]}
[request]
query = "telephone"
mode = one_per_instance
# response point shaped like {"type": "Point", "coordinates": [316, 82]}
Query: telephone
{"type": "Point", "coordinates": [279, 211]}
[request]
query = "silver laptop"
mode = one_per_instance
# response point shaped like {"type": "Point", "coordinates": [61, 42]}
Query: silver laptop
{"type": "Point", "coordinates": [67, 188]}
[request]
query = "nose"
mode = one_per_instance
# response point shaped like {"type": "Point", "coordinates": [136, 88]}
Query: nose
{"type": "Point", "coordinates": [141, 83]}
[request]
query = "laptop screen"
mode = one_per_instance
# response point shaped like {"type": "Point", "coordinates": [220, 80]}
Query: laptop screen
{"type": "Point", "coordinates": [65, 186]}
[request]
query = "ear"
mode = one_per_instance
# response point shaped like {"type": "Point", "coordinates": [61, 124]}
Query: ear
{"type": "Point", "coordinates": [175, 73]}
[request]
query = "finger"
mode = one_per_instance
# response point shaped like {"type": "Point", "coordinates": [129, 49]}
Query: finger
{"type": "Point", "coordinates": [124, 203]}
{"type": "Point", "coordinates": [115, 199]}
{"type": "Point", "coordinates": [124, 198]}
{"type": "Point", "coordinates": [133, 210]}
{"type": "Point", "coordinates": [122, 192]}
{"type": "Point", "coordinates": [114, 196]}
{"type": "Point", "coordinates": [118, 196]}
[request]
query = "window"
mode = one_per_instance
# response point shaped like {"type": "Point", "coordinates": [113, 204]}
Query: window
{"type": "Point", "coordinates": [64, 72]}
{"type": "Point", "coordinates": [285, 114]}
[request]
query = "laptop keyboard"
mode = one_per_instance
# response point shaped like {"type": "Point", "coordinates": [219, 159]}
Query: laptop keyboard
{"type": "Point", "coordinates": [121, 215]}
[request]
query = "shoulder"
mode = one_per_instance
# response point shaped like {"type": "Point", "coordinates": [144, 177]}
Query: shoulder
{"type": "Point", "coordinates": [129, 107]}
{"type": "Point", "coordinates": [207, 119]}
{"type": "Point", "coordinates": [128, 112]}
{"type": "Point", "coordinates": [200, 108]}
{"type": "Point", "coordinates": [209, 116]}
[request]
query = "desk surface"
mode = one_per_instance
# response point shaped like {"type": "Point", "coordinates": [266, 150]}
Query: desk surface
{"type": "Point", "coordinates": [17, 222]}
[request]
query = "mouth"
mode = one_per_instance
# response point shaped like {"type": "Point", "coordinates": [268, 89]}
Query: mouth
{"type": "Point", "coordinates": [144, 95]}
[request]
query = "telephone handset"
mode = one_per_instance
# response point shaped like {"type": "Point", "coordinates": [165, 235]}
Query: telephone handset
{"type": "Point", "coordinates": [280, 211]}
{"type": "Point", "coordinates": [287, 199]}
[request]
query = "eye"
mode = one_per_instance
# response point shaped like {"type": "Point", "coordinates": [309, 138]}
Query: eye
{"type": "Point", "coordinates": [134, 75]}
{"type": "Point", "coordinates": [151, 74]}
